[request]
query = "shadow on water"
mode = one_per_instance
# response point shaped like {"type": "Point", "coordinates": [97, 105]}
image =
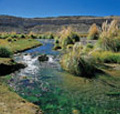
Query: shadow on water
{"type": "Point", "coordinates": [58, 92]}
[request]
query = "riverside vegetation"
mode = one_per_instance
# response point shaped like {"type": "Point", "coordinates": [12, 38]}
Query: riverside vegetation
{"type": "Point", "coordinates": [95, 62]}
{"type": "Point", "coordinates": [84, 60]}
{"type": "Point", "coordinates": [10, 102]}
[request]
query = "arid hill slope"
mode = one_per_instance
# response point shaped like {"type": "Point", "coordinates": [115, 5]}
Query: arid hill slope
{"type": "Point", "coordinates": [52, 24]}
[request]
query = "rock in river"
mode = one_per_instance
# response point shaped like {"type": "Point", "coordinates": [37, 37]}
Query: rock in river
{"type": "Point", "coordinates": [42, 58]}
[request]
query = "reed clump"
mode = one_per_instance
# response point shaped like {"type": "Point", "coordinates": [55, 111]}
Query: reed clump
{"type": "Point", "coordinates": [78, 62]}
{"type": "Point", "coordinates": [109, 38]}
{"type": "Point", "coordinates": [66, 37]}
{"type": "Point", "coordinates": [93, 32]}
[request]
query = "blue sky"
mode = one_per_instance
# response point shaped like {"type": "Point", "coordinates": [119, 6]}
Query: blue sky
{"type": "Point", "coordinates": [49, 8]}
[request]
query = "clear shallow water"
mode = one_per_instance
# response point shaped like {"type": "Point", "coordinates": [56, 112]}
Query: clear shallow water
{"type": "Point", "coordinates": [55, 91]}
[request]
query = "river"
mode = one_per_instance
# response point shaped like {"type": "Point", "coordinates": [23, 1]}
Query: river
{"type": "Point", "coordinates": [54, 90]}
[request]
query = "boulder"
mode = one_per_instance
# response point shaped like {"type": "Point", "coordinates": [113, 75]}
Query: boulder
{"type": "Point", "coordinates": [10, 68]}
{"type": "Point", "coordinates": [42, 58]}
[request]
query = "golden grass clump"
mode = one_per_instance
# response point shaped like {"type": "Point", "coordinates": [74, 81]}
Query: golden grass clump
{"type": "Point", "coordinates": [66, 37]}
{"type": "Point", "coordinates": [109, 37]}
{"type": "Point", "coordinates": [78, 62]}
{"type": "Point", "coordinates": [109, 30]}
{"type": "Point", "coordinates": [93, 32]}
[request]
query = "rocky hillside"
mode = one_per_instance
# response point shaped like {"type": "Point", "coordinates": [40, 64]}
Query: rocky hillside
{"type": "Point", "coordinates": [52, 24]}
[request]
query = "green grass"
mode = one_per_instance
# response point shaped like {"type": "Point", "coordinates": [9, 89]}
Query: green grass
{"type": "Point", "coordinates": [106, 56]}
{"type": "Point", "coordinates": [20, 45]}
{"type": "Point", "coordinates": [5, 52]}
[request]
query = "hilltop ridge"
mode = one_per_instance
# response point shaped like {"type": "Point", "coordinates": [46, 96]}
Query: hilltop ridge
{"type": "Point", "coordinates": [50, 24]}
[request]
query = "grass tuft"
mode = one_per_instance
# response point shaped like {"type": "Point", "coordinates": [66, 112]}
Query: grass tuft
{"type": "Point", "coordinates": [5, 52]}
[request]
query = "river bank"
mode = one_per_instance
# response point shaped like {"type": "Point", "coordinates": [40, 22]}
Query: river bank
{"type": "Point", "coordinates": [8, 65]}
{"type": "Point", "coordinates": [10, 102]}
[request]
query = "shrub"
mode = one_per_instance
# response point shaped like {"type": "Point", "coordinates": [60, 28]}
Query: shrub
{"type": "Point", "coordinates": [106, 56]}
{"type": "Point", "coordinates": [9, 39]}
{"type": "Point", "coordinates": [43, 37]}
{"type": "Point", "coordinates": [109, 38]}
{"type": "Point", "coordinates": [33, 36]}
{"type": "Point", "coordinates": [74, 36]}
{"type": "Point", "coordinates": [93, 32]}
{"type": "Point", "coordinates": [79, 63]}
{"type": "Point", "coordinates": [4, 35]}
{"type": "Point", "coordinates": [56, 41]}
{"type": "Point", "coordinates": [50, 36]}
{"type": "Point", "coordinates": [56, 47]}
{"type": "Point", "coordinates": [67, 36]}
{"type": "Point", "coordinates": [70, 46]}
{"type": "Point", "coordinates": [14, 39]}
{"type": "Point", "coordinates": [5, 52]}
{"type": "Point", "coordinates": [14, 36]}
{"type": "Point", "coordinates": [66, 42]}
{"type": "Point", "coordinates": [22, 36]}
{"type": "Point", "coordinates": [89, 46]}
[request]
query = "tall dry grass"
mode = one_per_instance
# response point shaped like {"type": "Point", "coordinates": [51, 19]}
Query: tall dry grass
{"type": "Point", "coordinates": [66, 37]}
{"type": "Point", "coordinates": [109, 37]}
{"type": "Point", "coordinates": [93, 32]}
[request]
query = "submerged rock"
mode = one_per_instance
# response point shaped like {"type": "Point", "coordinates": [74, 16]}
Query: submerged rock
{"type": "Point", "coordinates": [42, 58]}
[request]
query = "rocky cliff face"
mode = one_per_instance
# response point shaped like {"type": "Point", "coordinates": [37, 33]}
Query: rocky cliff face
{"type": "Point", "coordinates": [40, 25]}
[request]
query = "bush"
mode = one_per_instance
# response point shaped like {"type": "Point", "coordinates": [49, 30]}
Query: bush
{"type": "Point", "coordinates": [5, 52]}
{"type": "Point", "coordinates": [21, 36]}
{"type": "Point", "coordinates": [56, 41]}
{"type": "Point", "coordinates": [109, 44]}
{"type": "Point", "coordinates": [89, 46]}
{"type": "Point", "coordinates": [9, 39]}
{"type": "Point", "coordinates": [50, 36]}
{"type": "Point", "coordinates": [67, 37]}
{"type": "Point", "coordinates": [4, 35]}
{"type": "Point", "coordinates": [14, 39]}
{"type": "Point", "coordinates": [56, 47]}
{"type": "Point", "coordinates": [79, 63]}
{"type": "Point", "coordinates": [33, 36]}
{"type": "Point", "coordinates": [14, 36]}
{"type": "Point", "coordinates": [70, 46]}
{"type": "Point", "coordinates": [109, 38]}
{"type": "Point", "coordinates": [93, 32]}
{"type": "Point", "coordinates": [43, 37]}
{"type": "Point", "coordinates": [106, 56]}
{"type": "Point", "coordinates": [74, 36]}
{"type": "Point", "coordinates": [66, 42]}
